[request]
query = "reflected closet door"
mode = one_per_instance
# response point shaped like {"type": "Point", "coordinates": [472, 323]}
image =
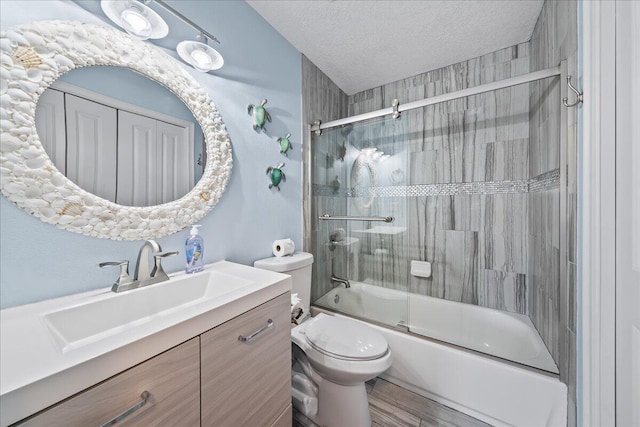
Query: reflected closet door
{"type": "Point", "coordinates": [176, 154]}
{"type": "Point", "coordinates": [51, 127]}
{"type": "Point", "coordinates": [91, 146]}
{"type": "Point", "coordinates": [139, 167]}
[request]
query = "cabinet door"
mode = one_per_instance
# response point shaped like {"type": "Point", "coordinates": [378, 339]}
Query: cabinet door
{"type": "Point", "coordinates": [285, 419]}
{"type": "Point", "coordinates": [171, 379]}
{"type": "Point", "coordinates": [91, 146]}
{"type": "Point", "coordinates": [248, 383]}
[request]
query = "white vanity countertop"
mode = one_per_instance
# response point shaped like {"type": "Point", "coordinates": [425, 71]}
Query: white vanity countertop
{"type": "Point", "coordinates": [36, 371]}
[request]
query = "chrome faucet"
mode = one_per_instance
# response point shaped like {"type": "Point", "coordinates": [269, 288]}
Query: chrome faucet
{"type": "Point", "coordinates": [336, 236]}
{"type": "Point", "coordinates": [345, 282]}
{"type": "Point", "coordinates": [142, 271]}
{"type": "Point", "coordinates": [142, 276]}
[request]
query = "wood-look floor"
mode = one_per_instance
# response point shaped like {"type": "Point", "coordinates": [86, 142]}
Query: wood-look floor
{"type": "Point", "coordinates": [394, 406]}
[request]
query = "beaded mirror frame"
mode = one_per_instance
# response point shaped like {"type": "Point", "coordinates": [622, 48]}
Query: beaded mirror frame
{"type": "Point", "coordinates": [33, 56]}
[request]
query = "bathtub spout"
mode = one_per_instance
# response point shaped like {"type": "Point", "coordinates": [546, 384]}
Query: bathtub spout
{"type": "Point", "coordinates": [345, 282]}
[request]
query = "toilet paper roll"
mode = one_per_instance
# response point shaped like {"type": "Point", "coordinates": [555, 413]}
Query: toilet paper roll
{"type": "Point", "coordinates": [297, 313]}
{"type": "Point", "coordinates": [283, 247]}
{"type": "Point", "coordinates": [297, 309]}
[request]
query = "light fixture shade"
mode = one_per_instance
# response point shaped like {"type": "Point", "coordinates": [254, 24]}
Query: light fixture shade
{"type": "Point", "coordinates": [200, 56]}
{"type": "Point", "coordinates": [135, 18]}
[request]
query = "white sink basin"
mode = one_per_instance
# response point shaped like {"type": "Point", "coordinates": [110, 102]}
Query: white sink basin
{"type": "Point", "coordinates": [53, 349]}
{"type": "Point", "coordinates": [112, 313]}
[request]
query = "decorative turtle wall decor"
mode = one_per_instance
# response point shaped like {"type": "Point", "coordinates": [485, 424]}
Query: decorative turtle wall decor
{"type": "Point", "coordinates": [259, 114]}
{"type": "Point", "coordinates": [276, 175]}
{"type": "Point", "coordinates": [285, 144]}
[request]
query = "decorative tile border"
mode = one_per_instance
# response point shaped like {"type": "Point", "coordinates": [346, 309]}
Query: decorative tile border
{"type": "Point", "coordinates": [543, 182]}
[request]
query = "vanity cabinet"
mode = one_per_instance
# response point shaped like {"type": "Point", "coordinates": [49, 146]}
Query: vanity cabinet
{"type": "Point", "coordinates": [172, 380]}
{"type": "Point", "coordinates": [248, 382]}
{"type": "Point", "coordinates": [214, 379]}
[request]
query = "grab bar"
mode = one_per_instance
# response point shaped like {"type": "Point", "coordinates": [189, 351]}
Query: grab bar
{"type": "Point", "coordinates": [327, 217]}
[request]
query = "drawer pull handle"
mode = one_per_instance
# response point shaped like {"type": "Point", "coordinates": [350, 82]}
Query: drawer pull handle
{"type": "Point", "coordinates": [256, 333]}
{"type": "Point", "coordinates": [144, 396]}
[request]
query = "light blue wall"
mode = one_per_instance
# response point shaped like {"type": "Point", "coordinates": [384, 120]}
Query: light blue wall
{"type": "Point", "coordinates": [39, 261]}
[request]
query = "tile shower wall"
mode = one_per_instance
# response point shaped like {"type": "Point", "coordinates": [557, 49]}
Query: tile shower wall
{"type": "Point", "coordinates": [321, 100]}
{"type": "Point", "coordinates": [553, 298]}
{"type": "Point", "coordinates": [466, 183]}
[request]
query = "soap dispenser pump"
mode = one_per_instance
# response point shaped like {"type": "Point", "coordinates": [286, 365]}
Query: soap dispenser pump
{"type": "Point", "coordinates": [194, 250]}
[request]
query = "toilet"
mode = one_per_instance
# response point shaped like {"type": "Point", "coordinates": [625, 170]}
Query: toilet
{"type": "Point", "coordinates": [332, 356]}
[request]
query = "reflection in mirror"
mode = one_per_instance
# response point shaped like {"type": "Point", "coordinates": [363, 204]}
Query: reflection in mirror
{"type": "Point", "coordinates": [121, 136]}
{"type": "Point", "coordinates": [363, 181]}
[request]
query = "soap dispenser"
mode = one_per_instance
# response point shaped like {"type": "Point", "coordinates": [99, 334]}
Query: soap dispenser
{"type": "Point", "coordinates": [194, 250]}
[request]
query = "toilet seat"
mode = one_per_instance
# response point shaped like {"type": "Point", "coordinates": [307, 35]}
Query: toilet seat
{"type": "Point", "coordinates": [344, 339]}
{"type": "Point", "coordinates": [342, 369]}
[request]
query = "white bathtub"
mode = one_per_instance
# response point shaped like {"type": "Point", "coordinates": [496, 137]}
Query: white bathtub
{"type": "Point", "coordinates": [491, 390]}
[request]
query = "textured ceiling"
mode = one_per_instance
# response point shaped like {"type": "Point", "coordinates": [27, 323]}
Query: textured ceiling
{"type": "Point", "coordinates": [364, 44]}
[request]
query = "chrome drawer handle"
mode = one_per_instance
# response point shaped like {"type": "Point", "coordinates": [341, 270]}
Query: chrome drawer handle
{"type": "Point", "coordinates": [144, 396]}
{"type": "Point", "coordinates": [256, 333]}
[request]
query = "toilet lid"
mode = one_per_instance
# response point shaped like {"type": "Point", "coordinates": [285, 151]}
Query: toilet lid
{"type": "Point", "coordinates": [344, 338]}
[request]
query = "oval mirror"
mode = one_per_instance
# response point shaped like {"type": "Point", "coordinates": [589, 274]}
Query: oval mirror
{"type": "Point", "coordinates": [121, 136]}
{"type": "Point", "coordinates": [35, 55]}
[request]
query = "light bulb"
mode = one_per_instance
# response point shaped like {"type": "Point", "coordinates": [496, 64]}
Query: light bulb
{"type": "Point", "coordinates": [137, 19]}
{"type": "Point", "coordinates": [202, 58]}
{"type": "Point", "coordinates": [135, 23]}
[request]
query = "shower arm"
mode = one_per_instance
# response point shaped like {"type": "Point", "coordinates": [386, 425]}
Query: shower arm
{"type": "Point", "coordinates": [327, 217]}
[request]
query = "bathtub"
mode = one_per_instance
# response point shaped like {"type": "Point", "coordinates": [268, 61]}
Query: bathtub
{"type": "Point", "coordinates": [495, 391]}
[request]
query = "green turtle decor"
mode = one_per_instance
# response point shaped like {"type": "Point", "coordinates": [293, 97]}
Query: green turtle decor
{"type": "Point", "coordinates": [276, 176]}
{"type": "Point", "coordinates": [259, 114]}
{"type": "Point", "coordinates": [285, 144]}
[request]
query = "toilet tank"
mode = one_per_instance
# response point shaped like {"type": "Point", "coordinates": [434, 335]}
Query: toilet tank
{"type": "Point", "coordinates": [298, 266]}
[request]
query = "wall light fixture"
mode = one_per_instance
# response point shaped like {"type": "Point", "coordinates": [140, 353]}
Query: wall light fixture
{"type": "Point", "coordinates": [139, 20]}
{"type": "Point", "coordinates": [136, 18]}
{"type": "Point", "coordinates": [200, 55]}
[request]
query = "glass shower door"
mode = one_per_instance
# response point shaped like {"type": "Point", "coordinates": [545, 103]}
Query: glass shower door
{"type": "Point", "coordinates": [362, 268]}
